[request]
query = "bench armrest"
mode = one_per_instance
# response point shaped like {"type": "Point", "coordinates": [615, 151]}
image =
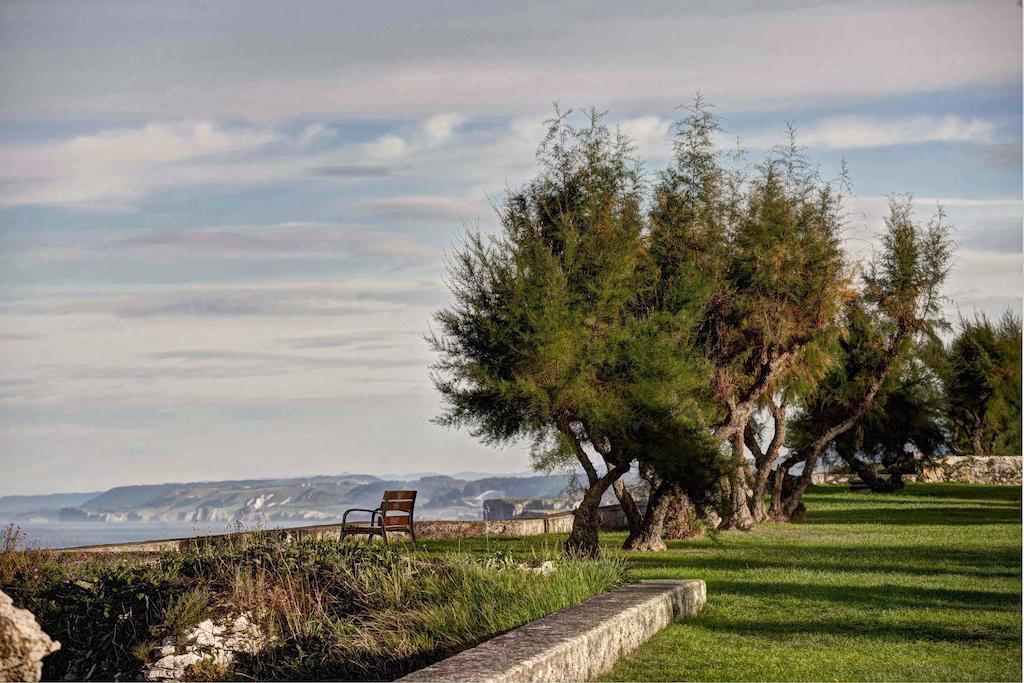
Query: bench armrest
{"type": "Point", "coordinates": [373, 514]}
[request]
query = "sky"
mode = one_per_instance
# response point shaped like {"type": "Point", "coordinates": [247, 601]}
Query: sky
{"type": "Point", "coordinates": [223, 225]}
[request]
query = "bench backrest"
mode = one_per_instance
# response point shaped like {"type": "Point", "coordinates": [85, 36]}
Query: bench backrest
{"type": "Point", "coordinates": [398, 506]}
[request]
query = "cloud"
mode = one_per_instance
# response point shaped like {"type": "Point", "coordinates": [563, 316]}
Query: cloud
{"type": "Point", "coordinates": [351, 171]}
{"type": "Point", "coordinates": [854, 132]}
{"type": "Point", "coordinates": [385, 148]}
{"type": "Point", "coordinates": [651, 134]}
{"type": "Point", "coordinates": [115, 169]}
{"type": "Point", "coordinates": [315, 132]}
{"type": "Point", "coordinates": [426, 207]}
{"type": "Point", "coordinates": [439, 129]}
{"type": "Point", "coordinates": [398, 62]}
{"type": "Point", "coordinates": [112, 168]}
{"type": "Point", "coordinates": [362, 339]}
{"type": "Point", "coordinates": [285, 299]}
{"type": "Point", "coordinates": [325, 240]}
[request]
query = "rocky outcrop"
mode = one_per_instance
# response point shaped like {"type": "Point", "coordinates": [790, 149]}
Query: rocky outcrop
{"type": "Point", "coordinates": [988, 469]}
{"type": "Point", "coordinates": [23, 644]}
{"type": "Point", "coordinates": [206, 642]}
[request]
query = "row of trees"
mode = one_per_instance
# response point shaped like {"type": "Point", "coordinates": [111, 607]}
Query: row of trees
{"type": "Point", "coordinates": [676, 325]}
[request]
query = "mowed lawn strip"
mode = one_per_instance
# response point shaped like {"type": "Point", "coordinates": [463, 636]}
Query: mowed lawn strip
{"type": "Point", "coordinates": [924, 584]}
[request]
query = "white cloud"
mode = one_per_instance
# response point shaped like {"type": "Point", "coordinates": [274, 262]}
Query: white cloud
{"type": "Point", "coordinates": [385, 148]}
{"type": "Point", "coordinates": [852, 132]}
{"type": "Point", "coordinates": [439, 129]}
{"type": "Point", "coordinates": [652, 135]}
{"type": "Point", "coordinates": [111, 168]}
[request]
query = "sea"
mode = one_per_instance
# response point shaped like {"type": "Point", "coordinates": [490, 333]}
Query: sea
{"type": "Point", "coordinates": [74, 534]}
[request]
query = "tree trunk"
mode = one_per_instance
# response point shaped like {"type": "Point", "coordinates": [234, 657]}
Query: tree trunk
{"type": "Point", "coordinates": [682, 520]}
{"type": "Point", "coordinates": [652, 530]}
{"type": "Point", "coordinates": [977, 448]}
{"type": "Point", "coordinates": [583, 539]}
{"type": "Point", "coordinates": [738, 513]}
{"type": "Point", "coordinates": [763, 459]}
{"type": "Point", "coordinates": [629, 508]}
{"type": "Point", "coordinates": [782, 482]}
{"type": "Point", "coordinates": [757, 507]}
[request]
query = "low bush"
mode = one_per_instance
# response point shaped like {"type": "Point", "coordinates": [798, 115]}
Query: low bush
{"type": "Point", "coordinates": [329, 609]}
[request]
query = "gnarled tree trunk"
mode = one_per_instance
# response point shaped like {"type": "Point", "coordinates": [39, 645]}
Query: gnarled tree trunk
{"type": "Point", "coordinates": [629, 508]}
{"type": "Point", "coordinates": [583, 539]}
{"type": "Point", "coordinates": [652, 530]}
{"type": "Point", "coordinates": [738, 513]}
{"type": "Point", "coordinates": [763, 459]}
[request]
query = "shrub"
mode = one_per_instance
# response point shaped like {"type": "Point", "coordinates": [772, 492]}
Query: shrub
{"type": "Point", "coordinates": [330, 609]}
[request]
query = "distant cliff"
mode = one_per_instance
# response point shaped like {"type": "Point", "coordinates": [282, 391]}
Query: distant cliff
{"type": "Point", "coordinates": [311, 499]}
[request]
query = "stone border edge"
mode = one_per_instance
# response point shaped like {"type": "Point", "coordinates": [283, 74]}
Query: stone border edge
{"type": "Point", "coordinates": [577, 643]}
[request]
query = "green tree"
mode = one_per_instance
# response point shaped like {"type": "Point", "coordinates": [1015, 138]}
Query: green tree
{"type": "Point", "coordinates": [758, 251]}
{"type": "Point", "coordinates": [904, 422]}
{"type": "Point", "coordinates": [898, 308]}
{"type": "Point", "coordinates": [548, 337]}
{"type": "Point", "coordinates": [981, 370]}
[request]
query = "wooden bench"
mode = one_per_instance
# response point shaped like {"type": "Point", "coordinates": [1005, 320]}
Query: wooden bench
{"type": "Point", "coordinates": [394, 514]}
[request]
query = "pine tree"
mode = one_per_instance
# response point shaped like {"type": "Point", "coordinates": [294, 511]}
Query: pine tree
{"type": "Point", "coordinates": [550, 337]}
{"type": "Point", "coordinates": [897, 309]}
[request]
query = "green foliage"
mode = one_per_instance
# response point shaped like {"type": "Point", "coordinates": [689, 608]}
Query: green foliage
{"type": "Point", "coordinates": [332, 610]}
{"type": "Point", "coordinates": [753, 252]}
{"type": "Point", "coordinates": [905, 417]}
{"type": "Point", "coordinates": [552, 322]}
{"type": "Point", "coordinates": [981, 373]}
{"type": "Point", "coordinates": [894, 316]}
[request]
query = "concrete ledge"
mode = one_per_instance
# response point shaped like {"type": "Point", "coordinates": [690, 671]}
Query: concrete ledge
{"type": "Point", "coordinates": [576, 643]}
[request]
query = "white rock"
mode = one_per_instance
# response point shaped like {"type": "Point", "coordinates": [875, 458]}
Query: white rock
{"type": "Point", "coordinates": [23, 644]}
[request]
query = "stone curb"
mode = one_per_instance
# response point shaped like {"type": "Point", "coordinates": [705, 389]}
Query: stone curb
{"type": "Point", "coordinates": [576, 643]}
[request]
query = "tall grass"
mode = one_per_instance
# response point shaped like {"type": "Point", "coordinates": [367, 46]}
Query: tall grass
{"type": "Point", "coordinates": [330, 610]}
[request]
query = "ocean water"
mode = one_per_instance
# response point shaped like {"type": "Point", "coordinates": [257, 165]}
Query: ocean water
{"type": "Point", "coordinates": [73, 534]}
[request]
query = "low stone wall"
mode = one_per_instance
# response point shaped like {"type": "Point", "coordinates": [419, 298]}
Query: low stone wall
{"type": "Point", "coordinates": [560, 523]}
{"type": "Point", "coordinates": [988, 469]}
{"type": "Point", "coordinates": [578, 643]}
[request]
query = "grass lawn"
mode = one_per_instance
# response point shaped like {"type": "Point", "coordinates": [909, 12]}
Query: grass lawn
{"type": "Point", "coordinates": [920, 585]}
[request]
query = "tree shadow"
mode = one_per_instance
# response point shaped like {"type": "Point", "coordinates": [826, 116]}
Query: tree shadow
{"type": "Point", "coordinates": [972, 515]}
{"type": "Point", "coordinates": [928, 560]}
{"type": "Point", "coordinates": [885, 596]}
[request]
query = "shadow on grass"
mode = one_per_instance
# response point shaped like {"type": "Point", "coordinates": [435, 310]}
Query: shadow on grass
{"type": "Point", "coordinates": [981, 492]}
{"type": "Point", "coordinates": [883, 597]}
{"type": "Point", "coordinates": [970, 515]}
{"type": "Point", "coordinates": [862, 628]}
{"type": "Point", "coordinates": [873, 559]}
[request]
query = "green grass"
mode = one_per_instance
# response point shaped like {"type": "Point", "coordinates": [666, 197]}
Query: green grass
{"type": "Point", "coordinates": [920, 585]}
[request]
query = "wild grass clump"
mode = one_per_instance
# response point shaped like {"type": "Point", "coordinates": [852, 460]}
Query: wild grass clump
{"type": "Point", "coordinates": [329, 609]}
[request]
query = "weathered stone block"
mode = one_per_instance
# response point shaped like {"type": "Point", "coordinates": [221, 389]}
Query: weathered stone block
{"type": "Point", "coordinates": [577, 643]}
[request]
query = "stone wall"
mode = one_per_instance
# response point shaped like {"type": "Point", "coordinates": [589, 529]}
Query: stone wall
{"type": "Point", "coordinates": [559, 523]}
{"type": "Point", "coordinates": [988, 469]}
{"type": "Point", "coordinates": [578, 643]}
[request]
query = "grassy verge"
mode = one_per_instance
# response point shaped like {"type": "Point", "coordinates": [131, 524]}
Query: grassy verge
{"type": "Point", "coordinates": [920, 585]}
{"type": "Point", "coordinates": [332, 610]}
